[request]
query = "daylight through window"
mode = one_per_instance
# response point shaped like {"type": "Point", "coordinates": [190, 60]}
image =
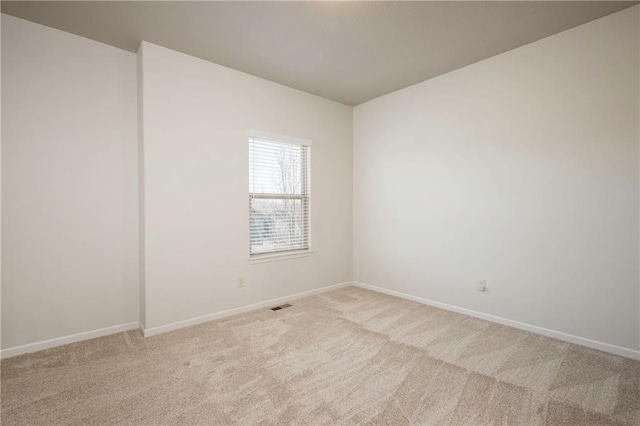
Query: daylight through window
{"type": "Point", "coordinates": [278, 194]}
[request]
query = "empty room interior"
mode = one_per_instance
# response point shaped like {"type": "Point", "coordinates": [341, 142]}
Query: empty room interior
{"type": "Point", "coordinates": [320, 213]}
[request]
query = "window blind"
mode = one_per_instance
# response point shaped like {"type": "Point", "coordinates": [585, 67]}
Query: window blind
{"type": "Point", "coordinates": [278, 195]}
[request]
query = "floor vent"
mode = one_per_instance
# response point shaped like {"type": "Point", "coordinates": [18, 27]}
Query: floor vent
{"type": "Point", "coordinates": [277, 308]}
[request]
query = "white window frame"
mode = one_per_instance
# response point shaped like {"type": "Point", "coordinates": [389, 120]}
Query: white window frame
{"type": "Point", "coordinates": [273, 256]}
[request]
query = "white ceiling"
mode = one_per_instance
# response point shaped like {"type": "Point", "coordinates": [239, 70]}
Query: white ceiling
{"type": "Point", "coordinates": [350, 52]}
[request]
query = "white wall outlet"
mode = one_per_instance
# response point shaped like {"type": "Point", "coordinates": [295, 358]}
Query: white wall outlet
{"type": "Point", "coordinates": [241, 282]}
{"type": "Point", "coordinates": [482, 285]}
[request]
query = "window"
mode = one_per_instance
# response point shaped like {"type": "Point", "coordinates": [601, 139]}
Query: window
{"type": "Point", "coordinates": [278, 194]}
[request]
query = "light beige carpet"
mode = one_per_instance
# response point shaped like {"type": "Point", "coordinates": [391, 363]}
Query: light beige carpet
{"type": "Point", "coordinates": [350, 356]}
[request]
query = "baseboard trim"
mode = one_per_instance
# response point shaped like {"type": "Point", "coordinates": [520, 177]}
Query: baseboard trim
{"type": "Point", "coordinates": [594, 344]}
{"type": "Point", "coordinates": [74, 338]}
{"type": "Point", "coordinates": [65, 340]}
{"type": "Point", "coordinates": [148, 332]}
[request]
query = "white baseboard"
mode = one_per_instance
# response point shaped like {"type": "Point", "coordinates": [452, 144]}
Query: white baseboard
{"type": "Point", "coordinates": [65, 340]}
{"type": "Point", "coordinates": [242, 309]}
{"type": "Point", "coordinates": [74, 338]}
{"type": "Point", "coordinates": [594, 344]}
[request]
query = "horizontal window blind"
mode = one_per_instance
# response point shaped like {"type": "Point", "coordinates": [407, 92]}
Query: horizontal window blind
{"type": "Point", "coordinates": [278, 195]}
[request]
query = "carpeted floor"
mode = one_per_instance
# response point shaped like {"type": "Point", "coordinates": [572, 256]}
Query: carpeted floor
{"type": "Point", "coordinates": [350, 356]}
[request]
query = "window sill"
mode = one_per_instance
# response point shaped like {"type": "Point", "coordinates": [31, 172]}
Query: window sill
{"type": "Point", "coordinates": [274, 257]}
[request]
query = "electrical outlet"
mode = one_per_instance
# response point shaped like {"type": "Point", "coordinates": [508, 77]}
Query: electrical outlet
{"type": "Point", "coordinates": [241, 282]}
{"type": "Point", "coordinates": [482, 285]}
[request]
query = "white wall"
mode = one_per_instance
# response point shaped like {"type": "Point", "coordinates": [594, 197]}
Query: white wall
{"type": "Point", "coordinates": [69, 184]}
{"type": "Point", "coordinates": [140, 122]}
{"type": "Point", "coordinates": [522, 170]}
{"type": "Point", "coordinates": [196, 116]}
